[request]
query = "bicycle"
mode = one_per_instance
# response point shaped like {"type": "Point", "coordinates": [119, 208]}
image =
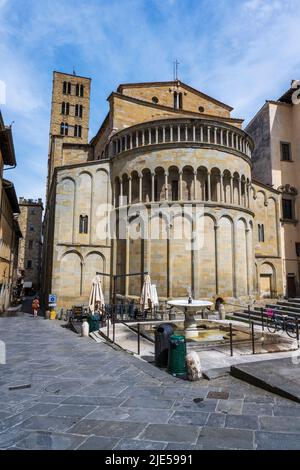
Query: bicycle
{"type": "Point", "coordinates": [282, 323]}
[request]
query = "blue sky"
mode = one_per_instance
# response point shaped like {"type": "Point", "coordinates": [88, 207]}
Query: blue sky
{"type": "Point", "coordinates": [242, 52]}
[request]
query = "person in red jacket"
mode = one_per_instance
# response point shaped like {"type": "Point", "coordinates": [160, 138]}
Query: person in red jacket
{"type": "Point", "coordinates": [35, 307]}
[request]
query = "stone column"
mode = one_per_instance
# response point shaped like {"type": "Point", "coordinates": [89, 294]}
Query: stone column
{"type": "Point", "coordinates": [164, 134]}
{"type": "Point", "coordinates": [143, 137]}
{"type": "Point", "coordinates": [178, 134]}
{"type": "Point", "coordinates": [216, 227]}
{"type": "Point", "coordinates": [208, 134]}
{"type": "Point", "coordinates": [240, 191]}
{"type": "Point", "coordinates": [222, 198]}
{"type": "Point", "coordinates": [136, 138]}
{"type": "Point", "coordinates": [231, 190]}
{"type": "Point", "coordinates": [130, 141]}
{"type": "Point", "coordinates": [140, 188]}
{"type": "Point", "coordinates": [195, 185]}
{"type": "Point", "coordinates": [201, 133]}
{"type": "Point", "coordinates": [149, 136]}
{"type": "Point", "coordinates": [235, 265]}
{"type": "Point", "coordinates": [166, 187]}
{"type": "Point", "coordinates": [180, 196]}
{"type": "Point", "coordinates": [209, 186]}
{"type": "Point", "coordinates": [186, 132]}
{"type": "Point", "coordinates": [152, 187]}
{"type": "Point", "coordinates": [215, 135]}
{"type": "Point", "coordinates": [156, 135]}
{"type": "Point", "coordinates": [129, 190]}
{"type": "Point", "coordinates": [194, 133]}
{"type": "Point", "coordinates": [171, 133]}
{"type": "Point", "coordinates": [248, 260]}
{"type": "Point", "coordinates": [227, 138]}
{"type": "Point", "coordinates": [121, 192]}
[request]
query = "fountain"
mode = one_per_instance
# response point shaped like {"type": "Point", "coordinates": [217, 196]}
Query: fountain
{"type": "Point", "coordinates": [189, 307]}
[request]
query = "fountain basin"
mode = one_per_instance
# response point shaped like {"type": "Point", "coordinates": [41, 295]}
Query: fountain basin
{"type": "Point", "coordinates": [190, 309]}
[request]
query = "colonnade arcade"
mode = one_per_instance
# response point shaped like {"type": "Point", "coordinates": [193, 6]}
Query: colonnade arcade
{"type": "Point", "coordinates": [186, 184]}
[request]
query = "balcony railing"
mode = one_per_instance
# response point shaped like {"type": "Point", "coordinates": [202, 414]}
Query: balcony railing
{"type": "Point", "coordinates": [181, 132]}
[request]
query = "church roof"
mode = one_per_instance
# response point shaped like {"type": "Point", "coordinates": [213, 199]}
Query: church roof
{"type": "Point", "coordinates": [173, 83]}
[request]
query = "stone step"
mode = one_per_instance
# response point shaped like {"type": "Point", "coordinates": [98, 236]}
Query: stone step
{"type": "Point", "coordinates": [279, 309]}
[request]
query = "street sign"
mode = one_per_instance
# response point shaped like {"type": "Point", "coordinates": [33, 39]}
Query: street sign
{"type": "Point", "coordinates": [52, 305]}
{"type": "Point", "coordinates": [52, 299]}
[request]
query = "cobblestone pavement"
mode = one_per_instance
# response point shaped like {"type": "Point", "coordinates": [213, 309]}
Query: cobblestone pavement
{"type": "Point", "coordinates": [85, 395]}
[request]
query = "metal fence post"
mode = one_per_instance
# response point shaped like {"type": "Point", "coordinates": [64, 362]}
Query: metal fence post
{"type": "Point", "coordinates": [114, 327]}
{"type": "Point", "coordinates": [139, 340]}
{"type": "Point", "coordinates": [249, 315]}
{"type": "Point", "coordinates": [231, 344]}
{"type": "Point", "coordinates": [107, 322]}
{"type": "Point", "coordinates": [262, 318]}
{"type": "Point", "coordinates": [253, 338]}
{"type": "Point", "coordinates": [297, 331]}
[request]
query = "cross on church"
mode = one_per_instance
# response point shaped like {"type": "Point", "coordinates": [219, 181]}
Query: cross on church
{"type": "Point", "coordinates": [175, 69]}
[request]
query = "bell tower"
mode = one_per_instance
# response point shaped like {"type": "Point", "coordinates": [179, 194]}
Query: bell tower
{"type": "Point", "coordinates": [69, 123]}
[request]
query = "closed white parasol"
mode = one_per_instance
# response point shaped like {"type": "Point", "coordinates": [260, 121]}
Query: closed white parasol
{"type": "Point", "coordinates": [146, 295]}
{"type": "Point", "coordinates": [96, 300]}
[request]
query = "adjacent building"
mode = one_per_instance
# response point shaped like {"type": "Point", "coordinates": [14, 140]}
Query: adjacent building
{"type": "Point", "coordinates": [161, 144]}
{"type": "Point", "coordinates": [275, 130]}
{"type": "Point", "coordinates": [30, 247]}
{"type": "Point", "coordinates": [9, 227]}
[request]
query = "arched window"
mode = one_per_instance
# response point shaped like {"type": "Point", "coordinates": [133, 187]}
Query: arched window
{"type": "Point", "coordinates": [69, 88]}
{"type": "Point", "coordinates": [64, 128]}
{"type": "Point", "coordinates": [77, 89]}
{"type": "Point", "coordinates": [67, 109]}
{"type": "Point", "coordinates": [175, 100]}
{"type": "Point", "coordinates": [63, 108]}
{"type": "Point", "coordinates": [81, 91]}
{"type": "Point", "coordinates": [80, 111]}
{"type": "Point", "coordinates": [77, 110]}
{"type": "Point", "coordinates": [65, 88]}
{"type": "Point", "coordinates": [77, 131]}
{"type": "Point", "coordinates": [180, 100]}
{"type": "Point", "coordinates": [83, 224]}
{"type": "Point", "coordinates": [175, 190]}
{"type": "Point", "coordinates": [261, 232]}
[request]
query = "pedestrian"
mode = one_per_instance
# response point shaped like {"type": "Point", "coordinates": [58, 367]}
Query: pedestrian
{"type": "Point", "coordinates": [35, 307]}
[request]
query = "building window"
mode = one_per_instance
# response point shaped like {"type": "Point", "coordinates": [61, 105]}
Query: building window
{"type": "Point", "coordinates": [29, 264]}
{"type": "Point", "coordinates": [175, 190]}
{"type": "Point", "coordinates": [77, 131]}
{"type": "Point", "coordinates": [175, 100]}
{"type": "Point", "coordinates": [78, 110]}
{"type": "Point", "coordinates": [297, 249]}
{"type": "Point", "coordinates": [77, 89]}
{"type": "Point", "coordinates": [65, 88]}
{"type": "Point", "coordinates": [180, 100]}
{"type": "Point", "coordinates": [287, 209]}
{"type": "Point", "coordinates": [261, 232]}
{"type": "Point", "coordinates": [83, 224]}
{"type": "Point", "coordinates": [81, 91]}
{"type": "Point", "coordinates": [65, 108]}
{"type": "Point", "coordinates": [64, 128]}
{"type": "Point", "coordinates": [286, 154]}
{"type": "Point", "coordinates": [69, 88]}
{"type": "Point", "coordinates": [31, 228]}
{"type": "Point", "coordinates": [154, 99]}
{"type": "Point", "coordinates": [30, 244]}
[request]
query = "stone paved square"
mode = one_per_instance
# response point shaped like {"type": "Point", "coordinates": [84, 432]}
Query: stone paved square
{"type": "Point", "coordinates": [150, 410]}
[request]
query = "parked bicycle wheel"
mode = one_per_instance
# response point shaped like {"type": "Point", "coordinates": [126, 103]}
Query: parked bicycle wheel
{"type": "Point", "coordinates": [291, 328]}
{"type": "Point", "coordinates": [271, 325]}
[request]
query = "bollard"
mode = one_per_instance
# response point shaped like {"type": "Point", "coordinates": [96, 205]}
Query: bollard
{"type": "Point", "coordinates": [253, 338]}
{"type": "Point", "coordinates": [107, 323]}
{"type": "Point", "coordinates": [262, 319]}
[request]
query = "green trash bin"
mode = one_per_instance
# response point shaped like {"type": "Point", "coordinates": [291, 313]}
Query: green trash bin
{"type": "Point", "coordinates": [177, 353]}
{"type": "Point", "coordinates": [94, 323]}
